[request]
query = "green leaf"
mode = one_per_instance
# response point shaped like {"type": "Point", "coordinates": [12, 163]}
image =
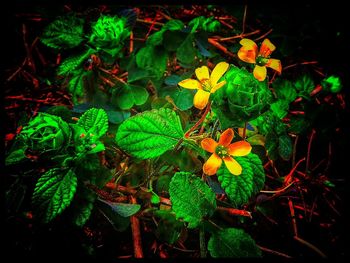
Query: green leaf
{"type": "Point", "coordinates": [285, 90]}
{"type": "Point", "coordinates": [298, 125]}
{"type": "Point", "coordinates": [84, 214]}
{"type": "Point", "coordinates": [54, 192]}
{"type": "Point", "coordinates": [61, 111]}
{"type": "Point", "coordinates": [94, 121]}
{"type": "Point", "coordinates": [172, 80]}
{"type": "Point", "coordinates": [174, 25]}
{"type": "Point", "coordinates": [155, 39]}
{"type": "Point", "coordinates": [118, 222]}
{"type": "Point", "coordinates": [241, 188]}
{"type": "Point", "coordinates": [232, 243]}
{"type": "Point", "coordinates": [207, 24]}
{"type": "Point", "coordinates": [271, 145]}
{"type": "Point", "coordinates": [155, 199]}
{"type": "Point", "coordinates": [285, 147]}
{"type": "Point", "coordinates": [72, 63]}
{"type": "Point", "coordinates": [15, 156]}
{"type": "Point", "coordinates": [305, 85]}
{"type": "Point", "coordinates": [116, 117]}
{"type": "Point", "coordinates": [128, 95]}
{"type": "Point", "coordinates": [153, 59]}
{"type": "Point", "coordinates": [183, 98]}
{"type": "Point", "coordinates": [191, 198]}
{"type": "Point", "coordinates": [186, 52]}
{"type": "Point", "coordinates": [65, 32]}
{"type": "Point", "coordinates": [280, 108]}
{"type": "Point", "coordinates": [123, 209]}
{"type": "Point", "coordinates": [168, 229]}
{"type": "Point", "coordinates": [150, 134]}
{"type": "Point", "coordinates": [172, 40]}
{"type": "Point", "coordinates": [76, 85]}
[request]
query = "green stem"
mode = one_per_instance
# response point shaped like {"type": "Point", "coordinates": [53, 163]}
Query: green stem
{"type": "Point", "coordinates": [202, 246]}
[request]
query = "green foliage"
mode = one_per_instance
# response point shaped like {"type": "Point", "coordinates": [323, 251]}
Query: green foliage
{"type": "Point", "coordinates": [191, 198]}
{"type": "Point", "coordinates": [153, 59]}
{"type": "Point", "coordinates": [72, 63]}
{"type": "Point", "coordinates": [232, 243]}
{"type": "Point", "coordinates": [15, 156]}
{"type": "Point", "coordinates": [46, 132]}
{"type": "Point", "coordinates": [284, 90]}
{"type": "Point", "coordinates": [82, 205]}
{"type": "Point", "coordinates": [243, 99]}
{"type": "Point", "coordinates": [123, 209]}
{"type": "Point", "coordinates": [94, 121]}
{"type": "Point", "coordinates": [202, 23]}
{"type": "Point", "coordinates": [241, 188]}
{"type": "Point", "coordinates": [54, 191]}
{"type": "Point", "coordinates": [280, 108]}
{"type": "Point", "coordinates": [168, 229]}
{"type": "Point", "coordinates": [304, 86]}
{"type": "Point", "coordinates": [108, 33]}
{"type": "Point", "coordinates": [332, 84]}
{"type": "Point", "coordinates": [129, 95]}
{"type": "Point", "coordinates": [65, 32]}
{"type": "Point", "coordinates": [77, 83]}
{"type": "Point", "coordinates": [150, 134]}
{"type": "Point", "coordinates": [285, 146]}
{"type": "Point", "coordinates": [186, 52]}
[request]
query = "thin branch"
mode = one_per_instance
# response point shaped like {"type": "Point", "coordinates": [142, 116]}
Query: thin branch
{"type": "Point", "coordinates": [308, 150]}
{"type": "Point", "coordinates": [136, 234]}
{"type": "Point", "coordinates": [207, 109]}
{"type": "Point", "coordinates": [304, 242]}
{"type": "Point", "coordinates": [202, 246]}
{"type": "Point", "coordinates": [274, 252]}
{"type": "Point", "coordinates": [213, 42]}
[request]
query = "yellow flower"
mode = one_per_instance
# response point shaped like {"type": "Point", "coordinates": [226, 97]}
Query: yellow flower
{"type": "Point", "coordinates": [249, 53]}
{"type": "Point", "coordinates": [224, 150]}
{"type": "Point", "coordinates": [205, 84]}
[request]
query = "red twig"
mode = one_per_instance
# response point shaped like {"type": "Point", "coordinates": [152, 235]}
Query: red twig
{"type": "Point", "coordinates": [302, 63]}
{"type": "Point", "coordinates": [274, 252]}
{"type": "Point", "coordinates": [264, 35]}
{"type": "Point", "coordinates": [136, 234]}
{"type": "Point", "coordinates": [234, 212]}
{"type": "Point", "coordinates": [313, 132]}
{"type": "Point", "coordinates": [238, 36]}
{"type": "Point", "coordinates": [213, 42]}
{"type": "Point", "coordinates": [207, 109]}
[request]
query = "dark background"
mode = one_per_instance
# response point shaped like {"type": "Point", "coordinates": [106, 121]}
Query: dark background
{"type": "Point", "coordinates": [302, 31]}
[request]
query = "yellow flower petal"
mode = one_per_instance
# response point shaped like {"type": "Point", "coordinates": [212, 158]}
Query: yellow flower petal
{"type": "Point", "coordinates": [190, 84]}
{"type": "Point", "coordinates": [248, 51]}
{"type": "Point", "coordinates": [275, 64]}
{"type": "Point", "coordinates": [218, 72]}
{"type": "Point", "coordinates": [226, 137]}
{"type": "Point", "coordinates": [211, 166]}
{"type": "Point", "coordinates": [232, 165]}
{"type": "Point", "coordinates": [240, 148]}
{"type": "Point", "coordinates": [202, 73]}
{"type": "Point", "coordinates": [218, 86]}
{"type": "Point", "coordinates": [248, 44]}
{"type": "Point", "coordinates": [259, 72]}
{"type": "Point", "coordinates": [209, 145]}
{"type": "Point", "coordinates": [201, 99]}
{"type": "Point", "coordinates": [266, 48]}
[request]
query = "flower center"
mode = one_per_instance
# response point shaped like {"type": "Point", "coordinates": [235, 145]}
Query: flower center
{"type": "Point", "coordinates": [261, 61]}
{"type": "Point", "coordinates": [221, 151]}
{"type": "Point", "coordinates": [206, 85]}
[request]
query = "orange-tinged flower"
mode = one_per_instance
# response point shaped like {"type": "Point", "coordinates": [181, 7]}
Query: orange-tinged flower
{"type": "Point", "coordinates": [205, 84]}
{"type": "Point", "coordinates": [224, 150]}
{"type": "Point", "coordinates": [249, 53]}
